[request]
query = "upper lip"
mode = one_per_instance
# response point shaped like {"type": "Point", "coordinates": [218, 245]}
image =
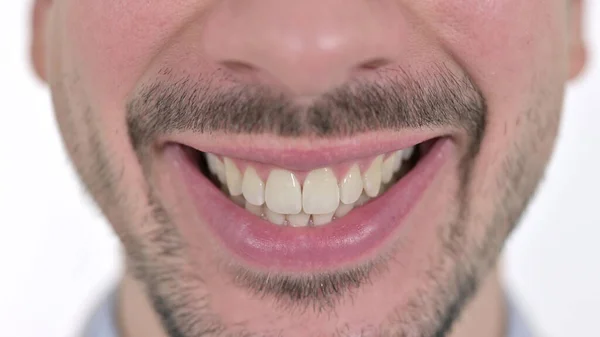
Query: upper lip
{"type": "Point", "coordinates": [302, 154]}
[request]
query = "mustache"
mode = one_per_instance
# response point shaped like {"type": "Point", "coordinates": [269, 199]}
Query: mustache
{"type": "Point", "coordinates": [436, 97]}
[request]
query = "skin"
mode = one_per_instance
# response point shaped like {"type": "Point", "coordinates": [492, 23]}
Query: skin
{"type": "Point", "coordinates": [442, 280]}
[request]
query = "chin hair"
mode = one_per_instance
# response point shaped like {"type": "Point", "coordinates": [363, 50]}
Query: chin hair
{"type": "Point", "coordinates": [319, 292]}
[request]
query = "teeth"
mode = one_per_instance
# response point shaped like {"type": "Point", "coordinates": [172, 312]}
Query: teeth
{"type": "Point", "coordinates": [256, 210]}
{"type": "Point", "coordinates": [362, 200]}
{"type": "Point", "coordinates": [284, 200]}
{"type": "Point", "coordinates": [216, 167]}
{"type": "Point", "coordinates": [408, 153]}
{"type": "Point", "coordinates": [322, 219]}
{"type": "Point", "coordinates": [343, 209]}
{"type": "Point", "coordinates": [387, 170]}
{"type": "Point", "coordinates": [351, 186]}
{"type": "Point", "coordinates": [282, 192]}
{"type": "Point", "coordinates": [398, 162]}
{"type": "Point", "coordinates": [320, 192]}
{"type": "Point", "coordinates": [372, 177]}
{"type": "Point", "coordinates": [212, 162]}
{"type": "Point", "coordinates": [298, 220]}
{"type": "Point", "coordinates": [253, 187]}
{"type": "Point", "coordinates": [234, 178]}
{"type": "Point", "coordinates": [238, 200]}
{"type": "Point", "coordinates": [274, 217]}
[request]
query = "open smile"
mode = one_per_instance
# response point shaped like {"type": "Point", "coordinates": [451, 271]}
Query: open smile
{"type": "Point", "coordinates": [285, 215]}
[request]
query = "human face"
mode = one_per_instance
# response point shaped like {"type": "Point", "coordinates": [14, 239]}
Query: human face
{"type": "Point", "coordinates": [300, 103]}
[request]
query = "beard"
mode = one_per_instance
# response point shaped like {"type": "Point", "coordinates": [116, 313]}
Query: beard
{"type": "Point", "coordinates": [176, 284]}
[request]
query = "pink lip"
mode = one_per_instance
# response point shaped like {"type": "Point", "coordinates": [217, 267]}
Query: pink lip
{"type": "Point", "coordinates": [343, 241]}
{"type": "Point", "coordinates": [303, 155]}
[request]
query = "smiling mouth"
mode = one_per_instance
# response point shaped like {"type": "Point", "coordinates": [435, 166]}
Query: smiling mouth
{"type": "Point", "coordinates": [303, 210]}
{"type": "Point", "coordinates": [307, 198]}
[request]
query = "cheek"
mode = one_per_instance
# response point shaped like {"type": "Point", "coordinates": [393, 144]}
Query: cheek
{"type": "Point", "coordinates": [98, 49]}
{"type": "Point", "coordinates": [112, 42]}
{"type": "Point", "coordinates": [511, 48]}
{"type": "Point", "coordinates": [515, 50]}
{"type": "Point", "coordinates": [104, 47]}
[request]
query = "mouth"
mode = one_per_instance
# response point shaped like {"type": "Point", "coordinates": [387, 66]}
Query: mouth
{"type": "Point", "coordinates": [296, 218]}
{"type": "Point", "coordinates": [306, 199]}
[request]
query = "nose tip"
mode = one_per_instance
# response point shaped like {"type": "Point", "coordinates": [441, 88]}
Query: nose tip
{"type": "Point", "coordinates": [292, 45]}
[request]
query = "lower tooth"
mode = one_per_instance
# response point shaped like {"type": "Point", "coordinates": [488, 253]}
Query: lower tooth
{"type": "Point", "coordinates": [298, 220]}
{"type": "Point", "coordinates": [322, 219]}
{"type": "Point", "coordinates": [363, 199]}
{"type": "Point", "coordinates": [256, 210]}
{"type": "Point", "coordinates": [343, 209]}
{"type": "Point", "coordinates": [385, 187]}
{"type": "Point", "coordinates": [274, 217]}
{"type": "Point", "coordinates": [239, 200]}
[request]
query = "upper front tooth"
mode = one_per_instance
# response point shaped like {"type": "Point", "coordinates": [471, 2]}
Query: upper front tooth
{"type": "Point", "coordinates": [387, 170]}
{"type": "Point", "coordinates": [282, 192]}
{"type": "Point", "coordinates": [351, 186]}
{"type": "Point", "coordinates": [253, 187]}
{"type": "Point", "coordinates": [372, 177]}
{"type": "Point", "coordinates": [216, 167]}
{"type": "Point", "coordinates": [234, 177]}
{"type": "Point", "coordinates": [320, 192]}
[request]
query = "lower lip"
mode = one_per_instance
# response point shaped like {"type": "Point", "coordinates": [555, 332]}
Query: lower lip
{"type": "Point", "coordinates": [343, 241]}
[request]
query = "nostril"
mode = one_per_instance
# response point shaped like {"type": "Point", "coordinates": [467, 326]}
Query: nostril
{"type": "Point", "coordinates": [373, 64]}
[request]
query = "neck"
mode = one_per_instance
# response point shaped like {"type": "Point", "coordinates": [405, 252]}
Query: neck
{"type": "Point", "coordinates": [485, 315]}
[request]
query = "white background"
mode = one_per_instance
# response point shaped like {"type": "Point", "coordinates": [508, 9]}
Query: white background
{"type": "Point", "coordinates": [58, 256]}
